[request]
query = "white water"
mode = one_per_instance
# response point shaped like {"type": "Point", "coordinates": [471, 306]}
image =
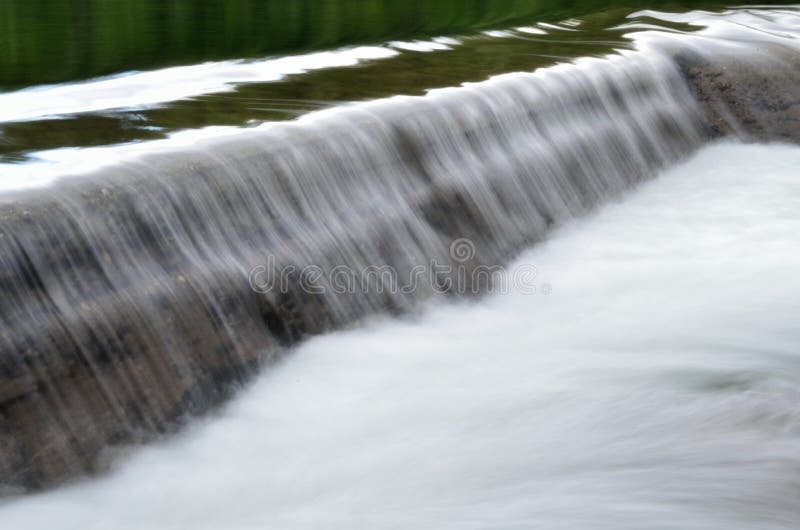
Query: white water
{"type": "Point", "coordinates": [656, 387]}
{"type": "Point", "coordinates": [145, 89]}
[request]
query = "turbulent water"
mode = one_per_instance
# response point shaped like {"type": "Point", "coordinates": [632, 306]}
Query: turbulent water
{"type": "Point", "coordinates": [651, 382]}
{"type": "Point", "coordinates": [637, 375]}
{"type": "Point", "coordinates": [133, 295]}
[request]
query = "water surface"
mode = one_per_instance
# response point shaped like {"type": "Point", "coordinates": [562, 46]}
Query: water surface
{"type": "Point", "coordinates": [654, 386]}
{"type": "Point", "coordinates": [181, 66]}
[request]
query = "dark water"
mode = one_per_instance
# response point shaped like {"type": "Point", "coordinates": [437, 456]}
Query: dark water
{"type": "Point", "coordinates": [51, 41]}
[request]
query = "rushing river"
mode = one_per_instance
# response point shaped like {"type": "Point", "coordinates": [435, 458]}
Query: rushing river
{"type": "Point", "coordinates": [636, 365]}
{"type": "Point", "coordinates": [651, 382]}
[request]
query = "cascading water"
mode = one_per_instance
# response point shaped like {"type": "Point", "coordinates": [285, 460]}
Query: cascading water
{"type": "Point", "coordinates": [146, 290]}
{"type": "Point", "coordinates": [127, 295]}
{"type": "Point", "coordinates": [656, 386]}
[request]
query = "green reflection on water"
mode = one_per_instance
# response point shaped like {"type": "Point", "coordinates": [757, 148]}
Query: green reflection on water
{"type": "Point", "coordinates": [47, 41]}
{"type": "Point", "coordinates": [56, 40]}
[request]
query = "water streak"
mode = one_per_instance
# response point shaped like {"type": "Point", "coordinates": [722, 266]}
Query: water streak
{"type": "Point", "coordinates": [126, 300]}
{"type": "Point", "coordinates": [655, 387]}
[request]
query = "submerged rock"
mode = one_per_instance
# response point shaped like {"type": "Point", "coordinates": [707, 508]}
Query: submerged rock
{"type": "Point", "coordinates": [754, 97]}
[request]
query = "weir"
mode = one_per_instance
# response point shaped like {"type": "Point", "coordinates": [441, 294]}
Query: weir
{"type": "Point", "coordinates": [130, 299]}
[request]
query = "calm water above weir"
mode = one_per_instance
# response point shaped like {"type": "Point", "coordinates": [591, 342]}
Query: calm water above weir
{"type": "Point", "coordinates": [267, 63]}
{"type": "Point", "coordinates": [54, 41]}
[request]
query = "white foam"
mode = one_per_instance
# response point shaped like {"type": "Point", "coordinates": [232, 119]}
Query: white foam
{"type": "Point", "coordinates": [532, 31]}
{"type": "Point", "coordinates": [655, 387]}
{"type": "Point", "coordinates": [53, 164]}
{"type": "Point", "coordinates": [423, 45]}
{"type": "Point", "coordinates": [450, 41]}
{"type": "Point", "coordinates": [738, 25]}
{"type": "Point", "coordinates": [499, 34]}
{"type": "Point", "coordinates": [554, 26]}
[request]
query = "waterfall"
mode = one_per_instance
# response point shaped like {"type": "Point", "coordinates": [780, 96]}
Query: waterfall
{"type": "Point", "coordinates": [146, 291]}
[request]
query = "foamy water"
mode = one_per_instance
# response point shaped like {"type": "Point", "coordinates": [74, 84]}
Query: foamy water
{"type": "Point", "coordinates": [655, 387]}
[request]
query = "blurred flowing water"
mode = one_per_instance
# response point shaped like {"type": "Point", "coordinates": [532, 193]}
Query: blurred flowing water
{"type": "Point", "coordinates": [649, 382]}
{"type": "Point", "coordinates": [655, 386]}
{"type": "Point", "coordinates": [136, 293]}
